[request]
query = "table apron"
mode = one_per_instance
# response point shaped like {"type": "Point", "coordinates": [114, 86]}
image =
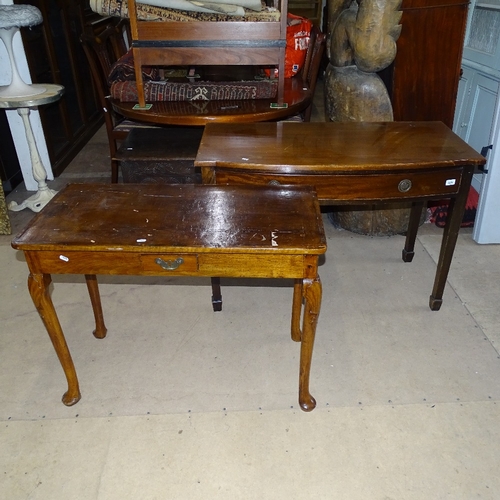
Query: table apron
{"type": "Point", "coordinates": [275, 265]}
{"type": "Point", "coordinates": [440, 183]}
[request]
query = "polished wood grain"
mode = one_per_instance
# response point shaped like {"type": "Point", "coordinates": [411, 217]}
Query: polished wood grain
{"type": "Point", "coordinates": [177, 230]}
{"type": "Point", "coordinates": [208, 31]}
{"type": "Point", "coordinates": [352, 163]}
{"type": "Point", "coordinates": [423, 80]}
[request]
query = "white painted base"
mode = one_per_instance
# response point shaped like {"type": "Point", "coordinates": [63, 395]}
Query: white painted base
{"type": "Point", "coordinates": [44, 194]}
{"type": "Point", "coordinates": [35, 202]}
{"type": "Point", "coordinates": [15, 122]}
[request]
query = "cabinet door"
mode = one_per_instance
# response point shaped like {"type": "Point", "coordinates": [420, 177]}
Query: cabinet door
{"type": "Point", "coordinates": [425, 73]}
{"type": "Point", "coordinates": [483, 33]}
{"type": "Point", "coordinates": [479, 113]}
{"type": "Point", "coordinates": [486, 226]}
{"type": "Point", "coordinates": [464, 89]}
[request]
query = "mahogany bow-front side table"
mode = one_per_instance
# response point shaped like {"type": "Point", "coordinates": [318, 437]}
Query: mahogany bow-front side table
{"type": "Point", "coordinates": [177, 230]}
{"type": "Point", "coordinates": [352, 163]}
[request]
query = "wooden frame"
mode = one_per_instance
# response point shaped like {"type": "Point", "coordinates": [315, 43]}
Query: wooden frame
{"type": "Point", "coordinates": [177, 43]}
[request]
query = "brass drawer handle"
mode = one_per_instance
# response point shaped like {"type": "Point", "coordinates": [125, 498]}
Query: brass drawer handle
{"type": "Point", "coordinates": [404, 186]}
{"type": "Point", "coordinates": [169, 265]}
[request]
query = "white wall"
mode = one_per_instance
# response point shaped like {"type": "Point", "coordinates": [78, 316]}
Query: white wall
{"type": "Point", "coordinates": [487, 223]}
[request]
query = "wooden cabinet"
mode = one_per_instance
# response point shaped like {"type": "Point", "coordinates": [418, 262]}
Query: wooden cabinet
{"type": "Point", "coordinates": [483, 34]}
{"type": "Point", "coordinates": [479, 84]}
{"type": "Point", "coordinates": [480, 80]}
{"type": "Point", "coordinates": [423, 79]}
{"type": "Point", "coordinates": [476, 107]}
{"type": "Point", "coordinates": [477, 117]}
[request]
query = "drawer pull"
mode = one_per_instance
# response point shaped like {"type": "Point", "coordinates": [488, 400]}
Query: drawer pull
{"type": "Point", "coordinates": [404, 186]}
{"type": "Point", "coordinates": [274, 183]}
{"type": "Point", "coordinates": [169, 265]}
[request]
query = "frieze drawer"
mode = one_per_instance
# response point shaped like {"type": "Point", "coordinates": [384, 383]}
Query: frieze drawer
{"type": "Point", "coordinates": [357, 187]}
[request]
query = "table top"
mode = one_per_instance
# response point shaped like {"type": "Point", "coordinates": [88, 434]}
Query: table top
{"type": "Point", "coordinates": [43, 93]}
{"type": "Point", "coordinates": [297, 95]}
{"type": "Point", "coordinates": [149, 218]}
{"type": "Point", "coordinates": [289, 147]}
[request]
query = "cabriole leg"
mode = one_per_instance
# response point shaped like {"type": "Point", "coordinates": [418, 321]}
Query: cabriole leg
{"type": "Point", "coordinates": [95, 300]}
{"type": "Point", "coordinates": [296, 310]}
{"type": "Point", "coordinates": [312, 294]}
{"type": "Point", "coordinates": [38, 285]}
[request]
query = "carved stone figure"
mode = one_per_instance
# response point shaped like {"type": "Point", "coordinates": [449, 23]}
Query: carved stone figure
{"type": "Point", "coordinates": [361, 41]}
{"type": "Point", "coordinates": [362, 37]}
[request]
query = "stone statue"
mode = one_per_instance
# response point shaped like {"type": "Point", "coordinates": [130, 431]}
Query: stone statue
{"type": "Point", "coordinates": [362, 39]}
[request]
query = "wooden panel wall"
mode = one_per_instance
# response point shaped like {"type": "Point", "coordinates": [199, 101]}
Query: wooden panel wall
{"type": "Point", "coordinates": [423, 80]}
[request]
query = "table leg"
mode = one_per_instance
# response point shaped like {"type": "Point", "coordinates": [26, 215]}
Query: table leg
{"type": "Point", "coordinates": [38, 285]}
{"type": "Point", "coordinates": [95, 299]}
{"type": "Point", "coordinates": [297, 310]}
{"type": "Point", "coordinates": [411, 233]}
{"type": "Point", "coordinates": [44, 194]}
{"type": "Point", "coordinates": [216, 295]}
{"type": "Point", "coordinates": [456, 211]}
{"type": "Point", "coordinates": [312, 294]}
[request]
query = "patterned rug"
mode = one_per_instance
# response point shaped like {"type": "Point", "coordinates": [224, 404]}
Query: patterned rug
{"type": "Point", "coordinates": [123, 86]}
{"type": "Point", "coordinates": [201, 91]}
{"type": "Point", "coordinates": [119, 8]}
{"type": "Point", "coordinates": [438, 212]}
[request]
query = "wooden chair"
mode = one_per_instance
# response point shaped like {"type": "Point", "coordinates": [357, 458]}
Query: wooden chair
{"type": "Point", "coordinates": [102, 51]}
{"type": "Point", "coordinates": [176, 43]}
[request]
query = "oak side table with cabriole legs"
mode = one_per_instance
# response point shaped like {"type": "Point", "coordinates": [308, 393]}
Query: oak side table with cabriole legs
{"type": "Point", "coordinates": [177, 230]}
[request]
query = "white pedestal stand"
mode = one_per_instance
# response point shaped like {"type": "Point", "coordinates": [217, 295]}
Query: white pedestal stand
{"type": "Point", "coordinates": [22, 96]}
{"type": "Point", "coordinates": [47, 93]}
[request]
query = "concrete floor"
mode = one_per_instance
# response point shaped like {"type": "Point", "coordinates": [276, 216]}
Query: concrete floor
{"type": "Point", "coordinates": [181, 403]}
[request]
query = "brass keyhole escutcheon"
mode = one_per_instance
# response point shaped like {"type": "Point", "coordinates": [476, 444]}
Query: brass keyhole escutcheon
{"type": "Point", "coordinates": [404, 186]}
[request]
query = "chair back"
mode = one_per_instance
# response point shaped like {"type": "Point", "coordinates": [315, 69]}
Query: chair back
{"type": "Point", "coordinates": [314, 55]}
{"type": "Point", "coordinates": [312, 63]}
{"type": "Point", "coordinates": [102, 51]}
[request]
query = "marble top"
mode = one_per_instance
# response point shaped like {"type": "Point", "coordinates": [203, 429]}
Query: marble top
{"type": "Point", "coordinates": [42, 94]}
{"type": "Point", "coordinates": [16, 16]}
